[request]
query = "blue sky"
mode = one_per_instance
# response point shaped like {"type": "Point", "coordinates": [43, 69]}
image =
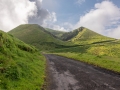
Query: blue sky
{"type": "Point", "coordinates": [102, 16]}
{"type": "Point", "coordinates": [70, 15]}
{"type": "Point", "coordinates": [71, 10]}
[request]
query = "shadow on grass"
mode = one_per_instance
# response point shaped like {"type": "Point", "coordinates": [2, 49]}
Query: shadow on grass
{"type": "Point", "coordinates": [79, 48]}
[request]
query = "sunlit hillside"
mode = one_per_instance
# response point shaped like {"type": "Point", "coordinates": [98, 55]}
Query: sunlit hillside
{"type": "Point", "coordinates": [36, 35]}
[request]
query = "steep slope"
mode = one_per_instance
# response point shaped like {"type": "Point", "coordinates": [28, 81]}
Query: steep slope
{"type": "Point", "coordinates": [36, 35]}
{"type": "Point", "coordinates": [69, 35]}
{"type": "Point", "coordinates": [21, 65]}
{"type": "Point", "coordinates": [85, 36]}
{"type": "Point", "coordinates": [56, 33]}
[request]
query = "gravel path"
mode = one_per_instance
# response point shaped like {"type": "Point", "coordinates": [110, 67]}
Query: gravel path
{"type": "Point", "coordinates": [68, 74]}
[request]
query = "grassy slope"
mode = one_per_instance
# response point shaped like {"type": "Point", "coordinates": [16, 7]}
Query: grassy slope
{"type": "Point", "coordinates": [69, 35]}
{"type": "Point", "coordinates": [106, 56]}
{"type": "Point", "coordinates": [56, 33]}
{"type": "Point", "coordinates": [36, 35]}
{"type": "Point", "coordinates": [85, 36]}
{"type": "Point", "coordinates": [22, 67]}
{"type": "Point", "coordinates": [93, 48]}
{"type": "Point", "coordinates": [88, 47]}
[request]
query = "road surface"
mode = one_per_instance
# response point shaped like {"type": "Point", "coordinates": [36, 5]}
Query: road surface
{"type": "Point", "coordinates": [68, 74]}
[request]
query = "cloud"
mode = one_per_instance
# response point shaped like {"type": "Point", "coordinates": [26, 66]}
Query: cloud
{"type": "Point", "coordinates": [44, 17]}
{"type": "Point", "coordinates": [68, 26]}
{"type": "Point", "coordinates": [15, 12]}
{"type": "Point", "coordinates": [53, 17]}
{"type": "Point", "coordinates": [104, 18]}
{"type": "Point", "coordinates": [114, 32]}
{"type": "Point", "coordinates": [41, 16]}
{"type": "Point", "coordinates": [80, 1]}
{"type": "Point", "coordinates": [57, 27]}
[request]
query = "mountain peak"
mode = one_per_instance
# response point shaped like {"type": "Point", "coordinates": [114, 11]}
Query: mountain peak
{"type": "Point", "coordinates": [36, 35]}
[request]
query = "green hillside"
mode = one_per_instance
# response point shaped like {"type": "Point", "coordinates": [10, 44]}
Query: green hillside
{"type": "Point", "coordinates": [105, 54]}
{"type": "Point", "coordinates": [85, 36]}
{"type": "Point", "coordinates": [93, 48]}
{"type": "Point", "coordinates": [56, 33]}
{"type": "Point", "coordinates": [36, 35]}
{"type": "Point", "coordinates": [69, 35]}
{"type": "Point", "coordinates": [22, 67]}
{"type": "Point", "coordinates": [81, 44]}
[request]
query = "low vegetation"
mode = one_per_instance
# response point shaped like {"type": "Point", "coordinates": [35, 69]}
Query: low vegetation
{"type": "Point", "coordinates": [36, 35]}
{"type": "Point", "coordinates": [56, 33]}
{"type": "Point", "coordinates": [22, 67]}
{"type": "Point", "coordinates": [80, 44]}
{"type": "Point", "coordinates": [105, 55]}
{"type": "Point", "coordinates": [92, 48]}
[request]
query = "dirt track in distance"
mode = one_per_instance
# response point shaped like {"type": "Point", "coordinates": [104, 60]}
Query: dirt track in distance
{"type": "Point", "coordinates": [68, 74]}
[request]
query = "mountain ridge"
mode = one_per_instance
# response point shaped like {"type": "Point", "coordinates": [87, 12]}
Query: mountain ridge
{"type": "Point", "coordinates": [49, 39]}
{"type": "Point", "coordinates": [36, 35]}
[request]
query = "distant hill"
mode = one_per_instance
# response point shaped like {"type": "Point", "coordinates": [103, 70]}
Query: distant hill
{"type": "Point", "coordinates": [36, 35]}
{"type": "Point", "coordinates": [21, 65]}
{"type": "Point", "coordinates": [83, 35]}
{"type": "Point", "coordinates": [56, 33]}
{"type": "Point", "coordinates": [69, 35]}
{"type": "Point", "coordinates": [48, 39]}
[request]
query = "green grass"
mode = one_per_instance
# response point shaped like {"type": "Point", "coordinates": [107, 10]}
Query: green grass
{"type": "Point", "coordinates": [80, 44]}
{"type": "Point", "coordinates": [105, 55]}
{"type": "Point", "coordinates": [36, 35]}
{"type": "Point", "coordinates": [44, 39]}
{"type": "Point", "coordinates": [69, 35]}
{"type": "Point", "coordinates": [109, 63]}
{"type": "Point", "coordinates": [22, 67]}
{"type": "Point", "coordinates": [92, 48]}
{"type": "Point", "coordinates": [86, 36]}
{"type": "Point", "coordinates": [56, 33]}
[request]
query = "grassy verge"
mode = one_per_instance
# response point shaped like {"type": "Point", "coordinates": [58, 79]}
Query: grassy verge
{"type": "Point", "coordinates": [109, 63]}
{"type": "Point", "coordinates": [102, 54]}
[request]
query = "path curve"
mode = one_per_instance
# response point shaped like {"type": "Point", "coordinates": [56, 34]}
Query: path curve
{"type": "Point", "coordinates": [68, 74]}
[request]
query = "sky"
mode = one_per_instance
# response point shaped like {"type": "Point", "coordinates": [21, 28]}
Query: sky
{"type": "Point", "coordinates": [101, 16]}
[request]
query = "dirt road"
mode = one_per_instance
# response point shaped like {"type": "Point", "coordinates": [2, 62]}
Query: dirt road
{"type": "Point", "coordinates": [67, 74]}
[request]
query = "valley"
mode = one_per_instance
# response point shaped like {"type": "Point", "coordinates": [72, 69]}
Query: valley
{"type": "Point", "coordinates": [25, 45]}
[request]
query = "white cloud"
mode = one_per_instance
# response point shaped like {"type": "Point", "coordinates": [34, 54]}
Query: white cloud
{"type": "Point", "coordinates": [44, 17]}
{"type": "Point", "coordinates": [104, 14]}
{"type": "Point", "coordinates": [114, 32]}
{"type": "Point", "coordinates": [53, 17]}
{"type": "Point", "coordinates": [57, 27]}
{"type": "Point", "coordinates": [68, 26]}
{"type": "Point", "coordinates": [15, 12]}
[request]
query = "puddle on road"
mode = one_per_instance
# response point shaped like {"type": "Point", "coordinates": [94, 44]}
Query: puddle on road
{"type": "Point", "coordinates": [64, 80]}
